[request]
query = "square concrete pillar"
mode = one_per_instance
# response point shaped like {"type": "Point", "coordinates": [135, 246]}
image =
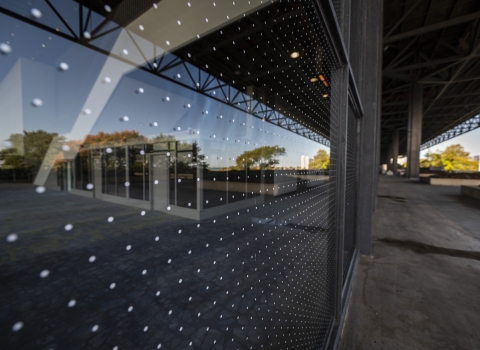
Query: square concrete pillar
{"type": "Point", "coordinates": [393, 152]}
{"type": "Point", "coordinates": [414, 140]}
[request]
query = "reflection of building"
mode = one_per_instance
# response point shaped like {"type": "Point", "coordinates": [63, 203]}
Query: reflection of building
{"type": "Point", "coordinates": [304, 162]}
{"type": "Point", "coordinates": [477, 159]}
{"type": "Point", "coordinates": [170, 176]}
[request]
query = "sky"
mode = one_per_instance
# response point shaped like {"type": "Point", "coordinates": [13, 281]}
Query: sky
{"type": "Point", "coordinates": [470, 142]}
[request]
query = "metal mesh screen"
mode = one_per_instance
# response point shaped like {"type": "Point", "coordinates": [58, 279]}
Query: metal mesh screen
{"type": "Point", "coordinates": [182, 177]}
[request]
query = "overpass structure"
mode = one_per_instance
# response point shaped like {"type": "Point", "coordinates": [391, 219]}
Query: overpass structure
{"type": "Point", "coordinates": [431, 75]}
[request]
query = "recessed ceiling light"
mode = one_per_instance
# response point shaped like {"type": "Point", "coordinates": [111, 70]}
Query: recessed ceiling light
{"type": "Point", "coordinates": [325, 95]}
{"type": "Point", "coordinates": [313, 80]}
{"type": "Point", "coordinates": [295, 54]}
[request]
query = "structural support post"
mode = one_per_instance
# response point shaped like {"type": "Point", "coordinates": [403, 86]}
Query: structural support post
{"type": "Point", "coordinates": [369, 143]}
{"type": "Point", "coordinates": [393, 152]}
{"type": "Point", "coordinates": [414, 140]}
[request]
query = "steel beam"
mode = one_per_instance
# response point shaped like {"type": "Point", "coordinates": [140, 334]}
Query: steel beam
{"type": "Point", "coordinates": [433, 27]}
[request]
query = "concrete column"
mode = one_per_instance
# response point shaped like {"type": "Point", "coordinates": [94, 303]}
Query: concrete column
{"type": "Point", "coordinates": [393, 152]}
{"type": "Point", "coordinates": [415, 116]}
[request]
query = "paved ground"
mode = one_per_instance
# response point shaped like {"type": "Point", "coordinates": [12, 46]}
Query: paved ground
{"type": "Point", "coordinates": [421, 287]}
{"type": "Point", "coordinates": [257, 278]}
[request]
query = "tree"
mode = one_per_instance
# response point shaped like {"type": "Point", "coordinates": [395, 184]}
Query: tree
{"type": "Point", "coordinates": [320, 161]}
{"type": "Point", "coordinates": [35, 145]}
{"type": "Point", "coordinates": [431, 160]}
{"type": "Point", "coordinates": [453, 158]}
{"type": "Point", "coordinates": [262, 157]}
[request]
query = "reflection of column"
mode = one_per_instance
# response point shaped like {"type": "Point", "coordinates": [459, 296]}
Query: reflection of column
{"type": "Point", "coordinates": [69, 176]}
{"type": "Point", "coordinates": [127, 173]}
{"type": "Point", "coordinates": [200, 166]}
{"type": "Point", "coordinates": [415, 115]}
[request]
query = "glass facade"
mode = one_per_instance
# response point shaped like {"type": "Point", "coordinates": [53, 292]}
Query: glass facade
{"type": "Point", "coordinates": [169, 175]}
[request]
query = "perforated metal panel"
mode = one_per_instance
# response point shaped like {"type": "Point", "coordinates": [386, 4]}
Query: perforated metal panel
{"type": "Point", "coordinates": [182, 188]}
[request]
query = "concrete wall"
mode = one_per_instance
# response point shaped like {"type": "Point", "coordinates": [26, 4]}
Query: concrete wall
{"type": "Point", "coordinates": [470, 191]}
{"type": "Point", "coordinates": [450, 182]}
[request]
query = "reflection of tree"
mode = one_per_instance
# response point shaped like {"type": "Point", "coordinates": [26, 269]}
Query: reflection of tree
{"type": "Point", "coordinates": [453, 158]}
{"type": "Point", "coordinates": [262, 157]}
{"type": "Point", "coordinates": [114, 138]}
{"type": "Point", "coordinates": [320, 161]}
{"type": "Point", "coordinates": [35, 145]}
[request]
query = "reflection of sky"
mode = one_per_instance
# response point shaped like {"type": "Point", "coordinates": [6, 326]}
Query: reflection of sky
{"type": "Point", "coordinates": [66, 94]}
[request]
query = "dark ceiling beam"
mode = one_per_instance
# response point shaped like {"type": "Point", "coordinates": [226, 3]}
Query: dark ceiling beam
{"type": "Point", "coordinates": [460, 105]}
{"type": "Point", "coordinates": [454, 77]}
{"type": "Point", "coordinates": [456, 59]}
{"type": "Point", "coordinates": [401, 56]}
{"type": "Point", "coordinates": [400, 21]}
{"type": "Point", "coordinates": [433, 27]}
{"type": "Point", "coordinates": [398, 88]}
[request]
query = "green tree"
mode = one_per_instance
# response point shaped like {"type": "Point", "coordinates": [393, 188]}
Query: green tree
{"type": "Point", "coordinates": [320, 161]}
{"type": "Point", "coordinates": [431, 159]}
{"type": "Point", "coordinates": [28, 150]}
{"type": "Point", "coordinates": [262, 157]}
{"type": "Point", "coordinates": [454, 158]}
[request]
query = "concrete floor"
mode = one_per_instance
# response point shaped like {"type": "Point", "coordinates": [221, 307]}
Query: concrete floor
{"type": "Point", "coordinates": [420, 289]}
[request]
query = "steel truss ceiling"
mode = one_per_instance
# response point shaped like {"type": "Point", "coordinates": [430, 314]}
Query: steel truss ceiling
{"type": "Point", "coordinates": [437, 44]}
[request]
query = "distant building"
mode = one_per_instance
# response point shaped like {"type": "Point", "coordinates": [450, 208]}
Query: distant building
{"type": "Point", "coordinates": [477, 159]}
{"type": "Point", "coordinates": [304, 161]}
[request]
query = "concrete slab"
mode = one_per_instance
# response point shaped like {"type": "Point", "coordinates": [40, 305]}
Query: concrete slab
{"type": "Point", "coordinates": [471, 191]}
{"type": "Point", "coordinates": [421, 287]}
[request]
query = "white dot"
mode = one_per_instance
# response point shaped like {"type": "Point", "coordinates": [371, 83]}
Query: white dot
{"type": "Point", "coordinates": [87, 35]}
{"type": "Point", "coordinates": [68, 227]}
{"type": "Point", "coordinates": [168, 154]}
{"type": "Point", "coordinates": [156, 6]}
{"type": "Point", "coordinates": [145, 329]}
{"type": "Point", "coordinates": [5, 48]}
{"type": "Point", "coordinates": [130, 308]}
{"type": "Point", "coordinates": [142, 213]}
{"type": "Point", "coordinates": [142, 152]}
{"type": "Point", "coordinates": [109, 150]}
{"type": "Point", "coordinates": [140, 90]}
{"type": "Point", "coordinates": [179, 180]}
{"type": "Point", "coordinates": [170, 312]}
{"type": "Point", "coordinates": [63, 66]}
{"type": "Point", "coordinates": [158, 293]}
{"type": "Point", "coordinates": [141, 27]}
{"type": "Point", "coordinates": [124, 119]}
{"type": "Point", "coordinates": [87, 111]}
{"type": "Point", "coordinates": [179, 23]}
{"type": "Point", "coordinates": [66, 148]}
{"type": "Point", "coordinates": [157, 238]}
{"type": "Point", "coordinates": [167, 98]}
{"type": "Point", "coordinates": [17, 326]}
{"type": "Point", "coordinates": [89, 186]}
{"type": "Point", "coordinates": [128, 247]}
{"type": "Point", "coordinates": [168, 208]}
{"type": "Point", "coordinates": [36, 13]}
{"type": "Point", "coordinates": [127, 184]}
{"type": "Point", "coordinates": [168, 42]}
{"type": "Point", "coordinates": [169, 261]}
{"type": "Point", "coordinates": [110, 219]}
{"type": "Point", "coordinates": [107, 8]}
{"type": "Point", "coordinates": [12, 237]}
{"type": "Point", "coordinates": [125, 51]}
{"type": "Point", "coordinates": [180, 280]}
{"type": "Point", "coordinates": [113, 285]}
{"type": "Point", "coordinates": [159, 345]}
{"type": "Point", "coordinates": [95, 328]}
{"type": "Point", "coordinates": [181, 329]}
{"type": "Point", "coordinates": [155, 182]}
{"type": "Point", "coordinates": [72, 303]}
{"type": "Point", "coordinates": [106, 80]}
{"type": "Point", "coordinates": [44, 273]}
{"type": "Point", "coordinates": [92, 258]}
{"type": "Point", "coordinates": [37, 102]}
{"type": "Point", "coordinates": [115, 348]}
{"type": "Point", "coordinates": [144, 272]}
